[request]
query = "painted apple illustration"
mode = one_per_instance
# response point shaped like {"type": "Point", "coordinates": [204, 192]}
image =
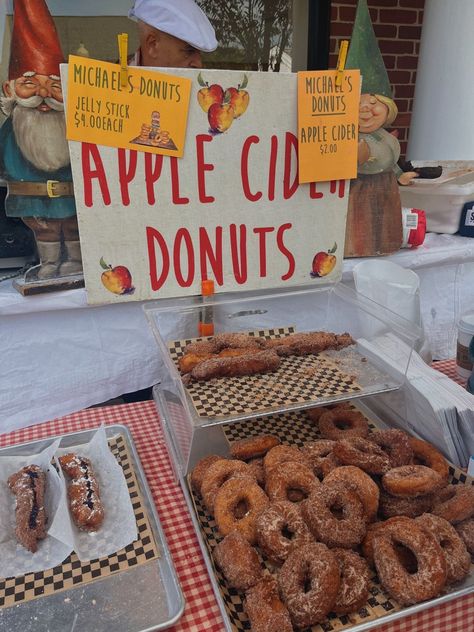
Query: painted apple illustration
{"type": "Point", "coordinates": [239, 98]}
{"type": "Point", "coordinates": [117, 280]}
{"type": "Point", "coordinates": [323, 262]}
{"type": "Point", "coordinates": [209, 94]}
{"type": "Point", "coordinates": [221, 115]}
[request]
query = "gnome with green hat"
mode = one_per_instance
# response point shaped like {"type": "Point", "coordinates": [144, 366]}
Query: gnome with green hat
{"type": "Point", "coordinates": [374, 219]}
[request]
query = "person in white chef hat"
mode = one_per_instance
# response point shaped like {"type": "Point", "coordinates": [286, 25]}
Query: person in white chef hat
{"type": "Point", "coordinates": [172, 33]}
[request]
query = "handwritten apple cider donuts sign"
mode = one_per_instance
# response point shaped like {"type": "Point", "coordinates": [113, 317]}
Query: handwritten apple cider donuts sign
{"type": "Point", "coordinates": [328, 125]}
{"type": "Point", "coordinates": [148, 114]}
{"type": "Point", "coordinates": [231, 209]}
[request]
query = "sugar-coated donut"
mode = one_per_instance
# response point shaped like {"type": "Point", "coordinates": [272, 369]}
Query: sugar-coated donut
{"type": "Point", "coordinates": [253, 447]}
{"type": "Point", "coordinates": [354, 586]}
{"type": "Point", "coordinates": [455, 503]}
{"type": "Point", "coordinates": [362, 453]}
{"type": "Point", "coordinates": [412, 480]}
{"type": "Point", "coordinates": [219, 472]}
{"type": "Point", "coordinates": [375, 527]}
{"type": "Point", "coordinates": [396, 444]}
{"type": "Point", "coordinates": [280, 530]}
{"type": "Point", "coordinates": [238, 561]}
{"type": "Point", "coordinates": [309, 582]}
{"type": "Point", "coordinates": [292, 476]}
{"type": "Point", "coordinates": [200, 469]}
{"type": "Point", "coordinates": [391, 506]}
{"type": "Point", "coordinates": [315, 413]}
{"type": "Point", "coordinates": [320, 456]}
{"type": "Point", "coordinates": [345, 531]}
{"type": "Point", "coordinates": [229, 517]}
{"type": "Point", "coordinates": [427, 454]}
{"type": "Point", "coordinates": [404, 586]}
{"type": "Point", "coordinates": [465, 530]}
{"type": "Point", "coordinates": [341, 423]}
{"type": "Point", "coordinates": [256, 465]}
{"type": "Point", "coordinates": [266, 611]}
{"type": "Point", "coordinates": [356, 480]}
{"type": "Point", "coordinates": [458, 560]}
{"type": "Point", "coordinates": [282, 454]}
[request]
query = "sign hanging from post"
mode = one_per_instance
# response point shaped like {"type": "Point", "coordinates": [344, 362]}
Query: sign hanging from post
{"type": "Point", "coordinates": [149, 113]}
{"type": "Point", "coordinates": [328, 125]}
{"type": "Point", "coordinates": [231, 210]}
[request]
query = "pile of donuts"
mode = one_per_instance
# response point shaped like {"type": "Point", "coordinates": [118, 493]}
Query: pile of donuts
{"type": "Point", "coordinates": [327, 516]}
{"type": "Point", "coordinates": [240, 354]}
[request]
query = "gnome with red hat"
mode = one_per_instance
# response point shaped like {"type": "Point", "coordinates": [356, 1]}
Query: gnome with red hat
{"type": "Point", "coordinates": [34, 155]}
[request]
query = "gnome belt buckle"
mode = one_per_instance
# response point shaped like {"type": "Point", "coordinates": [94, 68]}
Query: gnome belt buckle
{"type": "Point", "coordinates": [50, 184]}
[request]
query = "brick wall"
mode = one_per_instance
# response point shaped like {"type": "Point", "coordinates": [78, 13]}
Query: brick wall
{"type": "Point", "coordinates": [397, 25]}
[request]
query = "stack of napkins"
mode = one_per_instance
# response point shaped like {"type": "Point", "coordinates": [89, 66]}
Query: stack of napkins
{"type": "Point", "coordinates": [428, 404]}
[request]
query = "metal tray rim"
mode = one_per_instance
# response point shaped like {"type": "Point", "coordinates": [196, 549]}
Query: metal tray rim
{"type": "Point", "coordinates": [112, 429]}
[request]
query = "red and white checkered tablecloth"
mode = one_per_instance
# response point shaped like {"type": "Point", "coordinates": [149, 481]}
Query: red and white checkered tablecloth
{"type": "Point", "coordinates": [202, 612]}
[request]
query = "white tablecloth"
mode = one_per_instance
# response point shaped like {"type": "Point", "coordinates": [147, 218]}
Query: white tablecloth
{"type": "Point", "coordinates": [58, 355]}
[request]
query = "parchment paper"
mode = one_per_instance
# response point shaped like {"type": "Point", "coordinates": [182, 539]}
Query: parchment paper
{"type": "Point", "coordinates": [118, 529]}
{"type": "Point", "coordinates": [14, 558]}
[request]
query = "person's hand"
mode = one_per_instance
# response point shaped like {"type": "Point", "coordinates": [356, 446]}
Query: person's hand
{"type": "Point", "coordinates": [405, 179]}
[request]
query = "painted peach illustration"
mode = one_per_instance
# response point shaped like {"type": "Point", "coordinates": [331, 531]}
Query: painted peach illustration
{"type": "Point", "coordinates": [221, 115]}
{"type": "Point", "coordinates": [117, 280]}
{"type": "Point", "coordinates": [239, 97]}
{"type": "Point", "coordinates": [209, 94]}
{"type": "Point", "coordinates": [323, 262]}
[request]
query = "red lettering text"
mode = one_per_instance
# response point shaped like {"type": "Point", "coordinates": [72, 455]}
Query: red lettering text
{"type": "Point", "coordinates": [153, 237]}
{"type": "Point", "coordinates": [177, 199]}
{"type": "Point", "coordinates": [202, 167]}
{"type": "Point", "coordinates": [126, 174]}
{"type": "Point", "coordinates": [183, 236]}
{"type": "Point", "coordinates": [284, 250]}
{"type": "Point", "coordinates": [240, 268]}
{"type": "Point", "coordinates": [261, 232]}
{"type": "Point", "coordinates": [291, 143]}
{"type": "Point", "coordinates": [88, 152]}
{"type": "Point", "coordinates": [153, 167]}
{"type": "Point", "coordinates": [206, 253]}
{"type": "Point", "coordinates": [244, 168]}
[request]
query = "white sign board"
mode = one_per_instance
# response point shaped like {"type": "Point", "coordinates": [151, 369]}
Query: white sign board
{"type": "Point", "coordinates": [230, 210]}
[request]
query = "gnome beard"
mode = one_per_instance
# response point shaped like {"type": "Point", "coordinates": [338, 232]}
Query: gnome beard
{"type": "Point", "coordinates": [41, 136]}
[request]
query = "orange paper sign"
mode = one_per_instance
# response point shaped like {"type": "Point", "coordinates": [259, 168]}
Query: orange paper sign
{"type": "Point", "coordinates": [148, 114]}
{"type": "Point", "coordinates": [327, 125]}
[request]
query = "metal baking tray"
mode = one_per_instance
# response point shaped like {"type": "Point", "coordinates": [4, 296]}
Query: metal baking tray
{"type": "Point", "coordinates": [140, 599]}
{"type": "Point", "coordinates": [464, 588]}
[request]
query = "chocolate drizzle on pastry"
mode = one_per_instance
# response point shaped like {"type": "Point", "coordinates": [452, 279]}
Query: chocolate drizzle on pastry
{"type": "Point", "coordinates": [28, 485]}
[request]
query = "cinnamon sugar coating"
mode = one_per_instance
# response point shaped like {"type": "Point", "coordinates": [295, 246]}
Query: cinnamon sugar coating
{"type": "Point", "coordinates": [266, 611]}
{"type": "Point", "coordinates": [85, 503]}
{"type": "Point", "coordinates": [309, 582]}
{"type": "Point", "coordinates": [238, 561]}
{"type": "Point", "coordinates": [28, 485]}
{"type": "Point", "coordinates": [404, 586]}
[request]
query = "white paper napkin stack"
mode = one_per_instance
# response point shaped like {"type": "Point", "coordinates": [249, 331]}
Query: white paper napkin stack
{"type": "Point", "coordinates": [429, 404]}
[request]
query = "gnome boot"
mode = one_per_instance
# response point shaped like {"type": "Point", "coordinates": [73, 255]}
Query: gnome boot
{"type": "Point", "coordinates": [73, 262]}
{"type": "Point", "coordinates": [49, 254]}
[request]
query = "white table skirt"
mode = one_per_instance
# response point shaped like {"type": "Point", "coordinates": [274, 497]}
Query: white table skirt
{"type": "Point", "coordinates": [59, 355]}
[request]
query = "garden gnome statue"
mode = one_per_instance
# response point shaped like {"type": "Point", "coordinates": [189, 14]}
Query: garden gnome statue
{"type": "Point", "coordinates": [34, 154]}
{"type": "Point", "coordinates": [374, 219]}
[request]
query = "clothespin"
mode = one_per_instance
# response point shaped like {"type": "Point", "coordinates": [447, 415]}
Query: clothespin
{"type": "Point", "coordinates": [123, 54]}
{"type": "Point", "coordinates": [341, 61]}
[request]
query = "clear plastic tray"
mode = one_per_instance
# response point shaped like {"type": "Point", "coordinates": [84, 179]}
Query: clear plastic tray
{"type": "Point", "coordinates": [336, 308]}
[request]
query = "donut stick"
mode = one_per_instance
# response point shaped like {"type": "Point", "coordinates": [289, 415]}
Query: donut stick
{"type": "Point", "coordinates": [83, 492]}
{"type": "Point", "coordinates": [28, 485]}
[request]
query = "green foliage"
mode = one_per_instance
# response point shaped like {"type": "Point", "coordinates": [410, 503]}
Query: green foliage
{"type": "Point", "coordinates": [257, 27]}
